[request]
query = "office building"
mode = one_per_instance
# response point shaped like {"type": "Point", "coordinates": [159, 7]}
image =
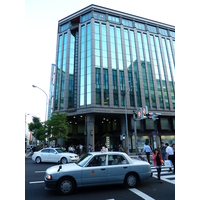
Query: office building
{"type": "Point", "coordinates": [106, 59]}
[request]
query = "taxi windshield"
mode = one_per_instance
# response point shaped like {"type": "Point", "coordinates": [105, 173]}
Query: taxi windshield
{"type": "Point", "coordinates": [84, 159]}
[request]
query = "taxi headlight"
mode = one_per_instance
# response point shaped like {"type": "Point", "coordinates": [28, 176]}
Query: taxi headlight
{"type": "Point", "coordinates": [48, 176]}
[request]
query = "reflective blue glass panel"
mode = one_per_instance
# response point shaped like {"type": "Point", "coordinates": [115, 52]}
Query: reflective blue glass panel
{"type": "Point", "coordinates": [58, 72]}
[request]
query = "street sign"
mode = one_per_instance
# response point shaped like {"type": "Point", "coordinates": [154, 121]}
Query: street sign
{"type": "Point", "coordinates": [153, 132]}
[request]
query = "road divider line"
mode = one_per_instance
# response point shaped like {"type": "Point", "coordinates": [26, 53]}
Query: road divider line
{"type": "Point", "coordinates": [141, 194]}
{"type": "Point", "coordinates": [35, 182]}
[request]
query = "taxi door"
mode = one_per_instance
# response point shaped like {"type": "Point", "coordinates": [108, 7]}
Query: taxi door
{"type": "Point", "coordinates": [95, 173]}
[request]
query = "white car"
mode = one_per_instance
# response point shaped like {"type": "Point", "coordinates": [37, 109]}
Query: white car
{"type": "Point", "coordinates": [54, 155]}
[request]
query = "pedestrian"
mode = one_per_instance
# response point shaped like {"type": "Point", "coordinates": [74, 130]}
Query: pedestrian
{"type": "Point", "coordinates": [147, 149]}
{"type": "Point", "coordinates": [90, 148]}
{"type": "Point", "coordinates": [163, 151]}
{"type": "Point", "coordinates": [71, 149]}
{"type": "Point", "coordinates": [81, 149]}
{"type": "Point", "coordinates": [157, 159]}
{"type": "Point", "coordinates": [120, 148]}
{"type": "Point", "coordinates": [170, 155]}
{"type": "Point", "coordinates": [140, 157]}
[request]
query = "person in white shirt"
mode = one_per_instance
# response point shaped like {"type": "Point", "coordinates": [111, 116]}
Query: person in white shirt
{"type": "Point", "coordinates": [170, 155]}
{"type": "Point", "coordinates": [147, 149]}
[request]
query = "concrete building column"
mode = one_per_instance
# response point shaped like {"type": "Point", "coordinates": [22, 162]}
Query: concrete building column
{"type": "Point", "coordinates": [90, 131]}
{"type": "Point", "coordinates": [123, 131]}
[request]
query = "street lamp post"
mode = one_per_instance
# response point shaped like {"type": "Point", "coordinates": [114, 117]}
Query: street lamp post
{"type": "Point", "coordinates": [127, 122]}
{"type": "Point", "coordinates": [46, 100]}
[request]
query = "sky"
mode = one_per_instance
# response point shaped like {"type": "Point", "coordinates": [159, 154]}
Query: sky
{"type": "Point", "coordinates": [41, 20]}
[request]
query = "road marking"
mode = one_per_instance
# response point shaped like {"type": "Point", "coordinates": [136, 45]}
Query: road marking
{"type": "Point", "coordinates": [141, 194]}
{"type": "Point", "coordinates": [35, 182]}
{"type": "Point", "coordinates": [39, 171]}
{"type": "Point", "coordinates": [165, 179]}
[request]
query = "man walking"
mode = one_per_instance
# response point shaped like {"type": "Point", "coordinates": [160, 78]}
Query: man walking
{"type": "Point", "coordinates": [147, 149]}
{"type": "Point", "coordinates": [170, 155]}
{"type": "Point", "coordinates": [163, 151]}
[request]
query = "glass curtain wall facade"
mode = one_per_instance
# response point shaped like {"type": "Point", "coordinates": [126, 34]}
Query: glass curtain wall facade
{"type": "Point", "coordinates": [137, 54]}
{"type": "Point", "coordinates": [105, 57]}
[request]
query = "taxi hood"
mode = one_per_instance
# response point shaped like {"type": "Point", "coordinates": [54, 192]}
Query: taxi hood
{"type": "Point", "coordinates": [63, 168]}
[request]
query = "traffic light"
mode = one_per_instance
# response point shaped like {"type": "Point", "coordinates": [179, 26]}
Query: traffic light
{"type": "Point", "coordinates": [145, 110]}
{"type": "Point", "coordinates": [123, 137]}
{"type": "Point", "coordinates": [150, 115]}
{"type": "Point", "coordinates": [139, 114]}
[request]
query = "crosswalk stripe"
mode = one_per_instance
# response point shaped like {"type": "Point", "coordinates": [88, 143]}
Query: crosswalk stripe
{"type": "Point", "coordinates": [165, 174]}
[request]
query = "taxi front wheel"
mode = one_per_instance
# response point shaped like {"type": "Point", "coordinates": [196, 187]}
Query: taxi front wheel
{"type": "Point", "coordinates": [66, 186]}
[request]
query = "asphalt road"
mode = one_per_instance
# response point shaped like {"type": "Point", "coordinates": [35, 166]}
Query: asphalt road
{"type": "Point", "coordinates": [148, 189]}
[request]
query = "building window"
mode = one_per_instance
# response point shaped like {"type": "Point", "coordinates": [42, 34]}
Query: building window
{"type": "Point", "coordinates": [163, 31]}
{"type": "Point", "coordinates": [169, 71]}
{"type": "Point", "coordinates": [136, 72]}
{"type": "Point", "coordinates": [98, 85]}
{"type": "Point", "coordinates": [127, 22]}
{"type": "Point", "coordinates": [105, 87]}
{"type": "Point", "coordinates": [86, 17]}
{"type": "Point", "coordinates": [122, 87]}
{"type": "Point", "coordinates": [71, 73]}
{"type": "Point", "coordinates": [156, 71]}
{"type": "Point", "coordinates": [88, 64]}
{"type": "Point", "coordinates": [97, 64]}
{"type": "Point", "coordinates": [129, 67]}
{"type": "Point", "coordinates": [151, 29]}
{"type": "Point", "coordinates": [104, 46]}
{"type": "Point", "coordinates": [97, 45]}
{"type": "Point", "coordinates": [143, 67]}
{"type": "Point", "coordinates": [82, 74]}
{"type": "Point", "coordinates": [63, 27]}
{"type": "Point", "coordinates": [99, 16]}
{"type": "Point", "coordinates": [149, 69]}
{"type": "Point", "coordinates": [161, 67]}
{"type": "Point", "coordinates": [172, 33]}
{"type": "Point", "coordinates": [115, 87]}
{"type": "Point", "coordinates": [63, 72]}
{"type": "Point", "coordinates": [113, 19]}
{"type": "Point", "coordinates": [58, 73]}
{"type": "Point", "coordinates": [112, 45]}
{"type": "Point", "coordinates": [140, 26]}
{"type": "Point", "coordinates": [119, 49]}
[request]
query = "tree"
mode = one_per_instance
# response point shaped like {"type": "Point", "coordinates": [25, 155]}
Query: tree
{"type": "Point", "coordinates": [37, 128]}
{"type": "Point", "coordinates": [56, 127]}
{"type": "Point", "coordinates": [59, 126]}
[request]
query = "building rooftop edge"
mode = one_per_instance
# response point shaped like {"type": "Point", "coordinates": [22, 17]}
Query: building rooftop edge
{"type": "Point", "coordinates": [112, 11]}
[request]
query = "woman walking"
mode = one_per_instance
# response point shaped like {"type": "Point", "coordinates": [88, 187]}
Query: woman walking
{"type": "Point", "coordinates": [157, 162]}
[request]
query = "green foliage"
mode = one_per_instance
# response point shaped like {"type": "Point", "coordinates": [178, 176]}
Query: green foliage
{"type": "Point", "coordinates": [59, 125]}
{"type": "Point", "coordinates": [56, 127]}
{"type": "Point", "coordinates": [35, 127]}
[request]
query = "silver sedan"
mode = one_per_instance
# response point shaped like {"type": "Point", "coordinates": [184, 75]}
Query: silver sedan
{"type": "Point", "coordinates": [97, 168]}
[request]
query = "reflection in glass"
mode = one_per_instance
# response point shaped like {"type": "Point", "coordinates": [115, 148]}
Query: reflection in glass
{"type": "Point", "coordinates": [136, 73]}
{"type": "Point", "coordinates": [149, 70]}
{"type": "Point", "coordinates": [143, 67]}
{"type": "Point", "coordinates": [161, 67]}
{"type": "Point", "coordinates": [58, 73]}
{"type": "Point", "coordinates": [88, 63]}
{"type": "Point", "coordinates": [82, 75]}
{"type": "Point", "coordinates": [63, 72]}
{"type": "Point", "coordinates": [129, 67]}
{"type": "Point", "coordinates": [156, 71]}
